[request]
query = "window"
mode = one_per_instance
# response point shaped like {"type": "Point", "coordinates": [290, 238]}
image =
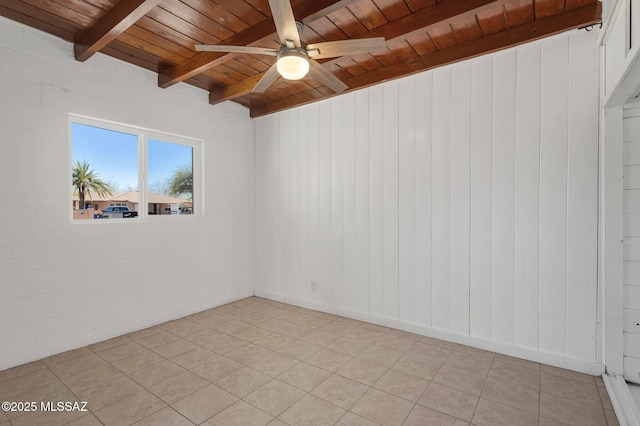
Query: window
{"type": "Point", "coordinates": [131, 173]}
{"type": "Point", "coordinates": [162, 157]}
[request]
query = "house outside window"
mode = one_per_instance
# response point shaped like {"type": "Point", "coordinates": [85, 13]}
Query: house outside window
{"type": "Point", "coordinates": [144, 173]}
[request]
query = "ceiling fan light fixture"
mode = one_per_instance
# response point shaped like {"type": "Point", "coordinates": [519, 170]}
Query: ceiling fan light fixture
{"type": "Point", "coordinates": [292, 64]}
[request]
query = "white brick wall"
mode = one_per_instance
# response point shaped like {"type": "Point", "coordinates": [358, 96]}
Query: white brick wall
{"type": "Point", "coordinates": [63, 285]}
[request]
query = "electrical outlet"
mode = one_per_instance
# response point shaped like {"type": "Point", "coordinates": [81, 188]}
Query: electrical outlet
{"type": "Point", "coordinates": [314, 286]}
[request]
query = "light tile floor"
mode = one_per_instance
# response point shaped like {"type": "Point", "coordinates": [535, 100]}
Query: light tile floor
{"type": "Point", "coordinates": [259, 362]}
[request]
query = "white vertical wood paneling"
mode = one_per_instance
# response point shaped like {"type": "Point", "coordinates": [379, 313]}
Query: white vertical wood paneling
{"type": "Point", "coordinates": [480, 232]}
{"type": "Point", "coordinates": [362, 200]}
{"type": "Point", "coordinates": [293, 211]}
{"type": "Point", "coordinates": [441, 193]}
{"type": "Point", "coordinates": [275, 205]}
{"type": "Point", "coordinates": [285, 260]}
{"type": "Point", "coordinates": [376, 200]}
{"type": "Point", "coordinates": [267, 202]}
{"type": "Point", "coordinates": [406, 200]}
{"type": "Point", "coordinates": [553, 194]}
{"type": "Point", "coordinates": [303, 203]}
{"type": "Point", "coordinates": [527, 188]}
{"type": "Point", "coordinates": [324, 240]}
{"type": "Point", "coordinates": [423, 124]}
{"type": "Point", "coordinates": [391, 200]}
{"type": "Point", "coordinates": [460, 195]}
{"type": "Point", "coordinates": [582, 164]}
{"type": "Point", "coordinates": [349, 199]}
{"type": "Point", "coordinates": [314, 199]}
{"type": "Point", "coordinates": [337, 204]}
{"type": "Point", "coordinates": [461, 199]}
{"type": "Point", "coordinates": [503, 195]}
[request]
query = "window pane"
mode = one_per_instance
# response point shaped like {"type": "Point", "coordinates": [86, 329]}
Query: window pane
{"type": "Point", "coordinates": [104, 173]}
{"type": "Point", "coordinates": [170, 178]}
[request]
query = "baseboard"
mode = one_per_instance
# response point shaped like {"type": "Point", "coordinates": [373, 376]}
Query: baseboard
{"type": "Point", "coordinates": [623, 403]}
{"type": "Point", "coordinates": [556, 360]}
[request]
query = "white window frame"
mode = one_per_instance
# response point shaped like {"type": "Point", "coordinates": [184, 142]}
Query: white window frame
{"type": "Point", "coordinates": [144, 134]}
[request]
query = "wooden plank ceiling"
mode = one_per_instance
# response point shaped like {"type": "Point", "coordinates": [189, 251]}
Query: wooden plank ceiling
{"type": "Point", "coordinates": [420, 34]}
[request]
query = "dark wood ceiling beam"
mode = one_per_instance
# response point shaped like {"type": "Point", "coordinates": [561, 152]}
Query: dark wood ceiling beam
{"type": "Point", "coordinates": [545, 27]}
{"type": "Point", "coordinates": [231, 92]}
{"type": "Point", "coordinates": [422, 20]}
{"type": "Point", "coordinates": [444, 13]}
{"type": "Point", "coordinates": [308, 11]}
{"type": "Point", "coordinates": [115, 22]}
{"type": "Point", "coordinates": [200, 62]}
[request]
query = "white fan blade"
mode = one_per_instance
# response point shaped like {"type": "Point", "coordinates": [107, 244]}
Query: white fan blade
{"type": "Point", "coordinates": [285, 22]}
{"type": "Point", "coordinates": [267, 80]}
{"type": "Point", "coordinates": [324, 76]}
{"type": "Point", "coordinates": [332, 49]}
{"type": "Point", "coordinates": [235, 49]}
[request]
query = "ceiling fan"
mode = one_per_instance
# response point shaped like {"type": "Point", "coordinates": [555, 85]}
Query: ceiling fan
{"type": "Point", "coordinates": [296, 59]}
